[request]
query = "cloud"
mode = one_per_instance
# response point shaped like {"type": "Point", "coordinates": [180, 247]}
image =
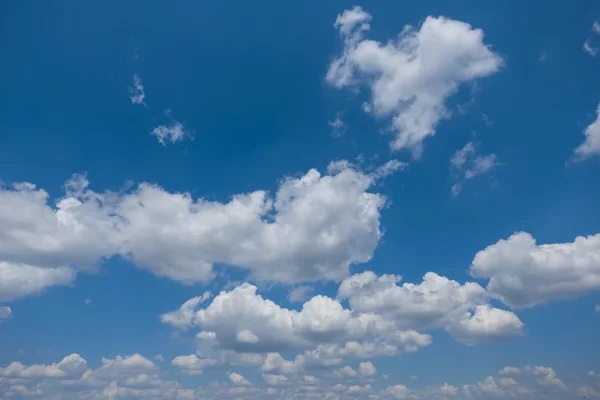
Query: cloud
{"type": "Point", "coordinates": [486, 324]}
{"type": "Point", "coordinates": [173, 133]}
{"type": "Point", "coordinates": [522, 273]}
{"type": "Point", "coordinates": [72, 366]}
{"type": "Point", "coordinates": [4, 313]}
{"type": "Point", "coordinates": [300, 294]}
{"type": "Point", "coordinates": [596, 27]}
{"type": "Point", "coordinates": [587, 47]}
{"type": "Point", "coordinates": [314, 228]}
{"type": "Point", "coordinates": [338, 126]}
{"type": "Point", "coordinates": [19, 280]}
{"type": "Point", "coordinates": [411, 78]}
{"type": "Point", "coordinates": [591, 146]}
{"type": "Point", "coordinates": [383, 319]}
{"type": "Point", "coordinates": [137, 91]}
{"type": "Point", "coordinates": [367, 369]}
{"type": "Point", "coordinates": [597, 308]}
{"type": "Point", "coordinates": [238, 380]}
{"type": "Point", "coordinates": [466, 164]}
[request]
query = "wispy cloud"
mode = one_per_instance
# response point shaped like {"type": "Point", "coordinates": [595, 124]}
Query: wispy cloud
{"type": "Point", "coordinates": [171, 133]}
{"type": "Point", "coordinates": [587, 47]}
{"type": "Point", "coordinates": [137, 91]}
{"type": "Point", "coordinates": [466, 164]}
{"type": "Point", "coordinates": [338, 126]}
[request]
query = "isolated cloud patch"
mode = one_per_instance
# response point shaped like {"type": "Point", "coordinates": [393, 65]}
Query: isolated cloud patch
{"type": "Point", "coordinates": [410, 78]}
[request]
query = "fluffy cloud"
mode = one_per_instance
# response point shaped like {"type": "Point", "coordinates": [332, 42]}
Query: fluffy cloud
{"type": "Point", "coordinates": [367, 369]}
{"type": "Point", "coordinates": [175, 236]}
{"type": "Point", "coordinates": [522, 273]}
{"type": "Point", "coordinates": [486, 324]}
{"type": "Point", "coordinates": [242, 314]}
{"type": "Point", "coordinates": [411, 78]}
{"type": "Point", "coordinates": [466, 164]}
{"type": "Point", "coordinates": [19, 280]}
{"type": "Point", "coordinates": [383, 319]}
{"type": "Point", "coordinates": [137, 91]}
{"type": "Point", "coordinates": [591, 146]}
{"type": "Point", "coordinates": [435, 303]}
{"type": "Point", "coordinates": [72, 366]}
{"type": "Point", "coordinates": [135, 377]}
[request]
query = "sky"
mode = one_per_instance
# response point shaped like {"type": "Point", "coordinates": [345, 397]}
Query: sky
{"type": "Point", "coordinates": [297, 200]}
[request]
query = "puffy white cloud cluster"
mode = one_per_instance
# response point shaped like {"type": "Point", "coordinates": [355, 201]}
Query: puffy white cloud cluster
{"type": "Point", "coordinates": [523, 273]}
{"type": "Point", "coordinates": [314, 228]}
{"type": "Point", "coordinates": [383, 318]}
{"type": "Point", "coordinates": [136, 377]}
{"type": "Point", "coordinates": [411, 77]}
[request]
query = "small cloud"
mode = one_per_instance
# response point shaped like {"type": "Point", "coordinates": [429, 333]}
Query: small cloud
{"type": "Point", "coordinates": [137, 91]}
{"type": "Point", "coordinates": [466, 164]}
{"type": "Point", "coordinates": [159, 358]}
{"type": "Point", "coordinates": [414, 378]}
{"type": "Point", "coordinates": [4, 313]}
{"type": "Point", "coordinates": [300, 294]}
{"type": "Point", "coordinates": [338, 126]}
{"type": "Point", "coordinates": [587, 47]}
{"type": "Point", "coordinates": [173, 133]}
{"type": "Point", "coordinates": [596, 27]}
{"type": "Point", "coordinates": [543, 56]}
{"type": "Point", "coordinates": [88, 301]}
{"type": "Point", "coordinates": [487, 120]}
{"type": "Point", "coordinates": [591, 145]}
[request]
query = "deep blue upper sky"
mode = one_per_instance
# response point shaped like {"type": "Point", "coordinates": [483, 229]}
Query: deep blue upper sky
{"type": "Point", "coordinates": [248, 80]}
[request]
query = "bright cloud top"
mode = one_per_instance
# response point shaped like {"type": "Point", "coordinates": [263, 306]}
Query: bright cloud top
{"type": "Point", "coordinates": [411, 77]}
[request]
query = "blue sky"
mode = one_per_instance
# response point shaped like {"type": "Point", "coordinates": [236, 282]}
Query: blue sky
{"type": "Point", "coordinates": [287, 200]}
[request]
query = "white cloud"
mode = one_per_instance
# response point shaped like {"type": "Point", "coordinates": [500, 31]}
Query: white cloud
{"type": "Point", "coordinates": [72, 366]}
{"type": "Point", "coordinates": [466, 164]}
{"type": "Point", "coordinates": [411, 78]}
{"type": "Point", "coordinates": [522, 273]}
{"type": "Point", "coordinates": [591, 146]}
{"type": "Point", "coordinates": [173, 133]}
{"type": "Point", "coordinates": [300, 294]}
{"type": "Point", "coordinates": [367, 369]}
{"type": "Point", "coordinates": [338, 126]}
{"type": "Point", "coordinates": [243, 312]}
{"type": "Point", "coordinates": [4, 313]}
{"type": "Point", "coordinates": [274, 380]}
{"type": "Point", "coordinates": [176, 236]}
{"type": "Point", "coordinates": [19, 280]}
{"type": "Point", "coordinates": [238, 380]}
{"type": "Point", "coordinates": [508, 370]}
{"type": "Point", "coordinates": [486, 324]}
{"type": "Point", "coordinates": [588, 48]}
{"type": "Point", "coordinates": [115, 368]}
{"type": "Point", "coordinates": [137, 91]}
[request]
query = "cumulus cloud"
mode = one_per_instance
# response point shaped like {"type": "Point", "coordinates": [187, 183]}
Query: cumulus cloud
{"type": "Point", "coordinates": [137, 91]}
{"type": "Point", "coordinates": [72, 366]}
{"type": "Point", "coordinates": [383, 319]}
{"type": "Point", "coordinates": [466, 164]}
{"type": "Point", "coordinates": [523, 273]}
{"type": "Point", "coordinates": [437, 302]}
{"type": "Point", "coordinates": [314, 228]}
{"type": "Point", "coordinates": [411, 77]}
{"type": "Point", "coordinates": [19, 280]}
{"type": "Point", "coordinates": [173, 133]}
{"type": "Point", "coordinates": [367, 369]}
{"type": "Point", "coordinates": [238, 380]}
{"type": "Point", "coordinates": [591, 145]}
